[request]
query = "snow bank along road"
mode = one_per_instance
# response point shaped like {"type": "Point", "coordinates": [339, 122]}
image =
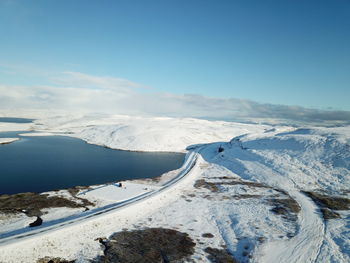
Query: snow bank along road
{"type": "Point", "coordinates": [11, 237]}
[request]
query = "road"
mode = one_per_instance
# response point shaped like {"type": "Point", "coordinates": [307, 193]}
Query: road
{"type": "Point", "coordinates": [25, 233]}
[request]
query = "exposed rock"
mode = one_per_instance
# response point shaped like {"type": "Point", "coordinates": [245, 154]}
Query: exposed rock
{"type": "Point", "coordinates": [37, 222]}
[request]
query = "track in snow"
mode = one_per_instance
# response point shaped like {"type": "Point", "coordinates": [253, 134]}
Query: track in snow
{"type": "Point", "coordinates": [305, 246]}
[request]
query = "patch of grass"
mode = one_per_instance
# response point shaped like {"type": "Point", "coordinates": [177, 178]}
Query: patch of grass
{"type": "Point", "coordinates": [53, 260]}
{"type": "Point", "coordinates": [331, 202]}
{"type": "Point", "coordinates": [208, 235]}
{"type": "Point", "coordinates": [239, 182]}
{"type": "Point", "coordinates": [32, 203]}
{"type": "Point", "coordinates": [289, 204]}
{"type": "Point", "coordinates": [148, 246]}
{"type": "Point", "coordinates": [201, 183]}
{"type": "Point", "coordinates": [329, 214]}
{"type": "Point", "coordinates": [287, 207]}
{"type": "Point", "coordinates": [214, 186]}
{"type": "Point", "coordinates": [216, 255]}
{"type": "Point", "coordinates": [261, 239]}
{"type": "Point", "coordinates": [245, 196]}
{"type": "Point", "coordinates": [75, 190]}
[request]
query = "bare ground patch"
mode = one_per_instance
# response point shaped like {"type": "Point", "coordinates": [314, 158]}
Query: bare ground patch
{"type": "Point", "coordinates": [148, 245]}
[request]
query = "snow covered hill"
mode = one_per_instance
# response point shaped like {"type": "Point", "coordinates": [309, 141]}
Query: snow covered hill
{"type": "Point", "coordinates": [258, 193]}
{"type": "Point", "coordinates": [144, 133]}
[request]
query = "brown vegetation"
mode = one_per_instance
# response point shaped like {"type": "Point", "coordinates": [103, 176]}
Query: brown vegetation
{"type": "Point", "coordinates": [208, 235]}
{"type": "Point", "coordinates": [219, 255]}
{"type": "Point", "coordinates": [214, 186]}
{"type": "Point", "coordinates": [329, 214]}
{"type": "Point", "coordinates": [53, 260]}
{"type": "Point", "coordinates": [329, 203]}
{"type": "Point", "coordinates": [288, 204]}
{"type": "Point", "coordinates": [32, 203]}
{"type": "Point", "coordinates": [148, 245]}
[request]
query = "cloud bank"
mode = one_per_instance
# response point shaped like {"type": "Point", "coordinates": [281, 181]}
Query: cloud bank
{"type": "Point", "coordinates": [73, 91]}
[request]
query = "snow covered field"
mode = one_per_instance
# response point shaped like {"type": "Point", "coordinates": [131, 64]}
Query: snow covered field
{"type": "Point", "coordinates": [248, 192]}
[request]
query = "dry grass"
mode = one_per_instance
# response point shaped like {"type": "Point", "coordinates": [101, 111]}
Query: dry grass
{"type": "Point", "coordinates": [201, 183]}
{"type": "Point", "coordinates": [329, 214]}
{"type": "Point", "coordinates": [288, 208]}
{"type": "Point", "coordinates": [214, 186]}
{"type": "Point", "coordinates": [331, 202]}
{"type": "Point", "coordinates": [289, 204]}
{"type": "Point", "coordinates": [208, 235]}
{"type": "Point", "coordinates": [53, 260]}
{"type": "Point", "coordinates": [245, 196]}
{"type": "Point", "coordinates": [148, 246]}
{"type": "Point", "coordinates": [216, 255]}
{"type": "Point", "coordinates": [32, 203]}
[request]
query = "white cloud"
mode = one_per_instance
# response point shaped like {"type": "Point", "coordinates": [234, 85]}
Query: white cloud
{"type": "Point", "coordinates": [81, 92]}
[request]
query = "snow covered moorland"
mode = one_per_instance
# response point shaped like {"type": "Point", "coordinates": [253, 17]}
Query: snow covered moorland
{"type": "Point", "coordinates": [246, 193]}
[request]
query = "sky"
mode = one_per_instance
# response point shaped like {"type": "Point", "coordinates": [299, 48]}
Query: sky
{"type": "Point", "coordinates": [132, 56]}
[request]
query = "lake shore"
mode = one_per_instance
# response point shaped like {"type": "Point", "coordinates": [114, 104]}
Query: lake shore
{"type": "Point", "coordinates": [8, 140]}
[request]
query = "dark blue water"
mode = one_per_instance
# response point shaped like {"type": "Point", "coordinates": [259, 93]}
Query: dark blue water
{"type": "Point", "coordinates": [16, 120]}
{"type": "Point", "coordinates": [38, 164]}
{"type": "Point", "coordinates": [11, 134]}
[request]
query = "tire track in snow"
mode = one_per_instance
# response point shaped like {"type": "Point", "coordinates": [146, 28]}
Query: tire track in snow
{"type": "Point", "coordinates": [305, 246]}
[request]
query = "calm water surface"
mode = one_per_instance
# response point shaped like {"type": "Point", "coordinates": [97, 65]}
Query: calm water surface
{"type": "Point", "coordinates": [38, 164]}
{"type": "Point", "coordinates": [15, 120]}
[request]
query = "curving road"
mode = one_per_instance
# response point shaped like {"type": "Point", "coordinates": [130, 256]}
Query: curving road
{"type": "Point", "coordinates": [20, 234]}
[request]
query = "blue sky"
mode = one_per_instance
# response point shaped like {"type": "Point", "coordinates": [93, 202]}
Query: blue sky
{"type": "Point", "coordinates": [277, 52]}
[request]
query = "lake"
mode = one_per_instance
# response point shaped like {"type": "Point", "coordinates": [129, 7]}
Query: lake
{"type": "Point", "coordinates": [38, 164]}
{"type": "Point", "coordinates": [15, 120]}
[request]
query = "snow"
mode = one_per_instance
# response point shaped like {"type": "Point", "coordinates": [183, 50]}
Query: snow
{"type": "Point", "coordinates": [259, 164]}
{"type": "Point", "coordinates": [8, 126]}
{"type": "Point", "coordinates": [154, 134]}
{"type": "Point", "coordinates": [307, 243]}
{"type": "Point", "coordinates": [113, 193]}
{"type": "Point", "coordinates": [8, 140]}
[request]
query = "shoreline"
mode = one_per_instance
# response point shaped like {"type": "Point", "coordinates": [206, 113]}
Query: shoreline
{"type": "Point", "coordinates": [4, 141]}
